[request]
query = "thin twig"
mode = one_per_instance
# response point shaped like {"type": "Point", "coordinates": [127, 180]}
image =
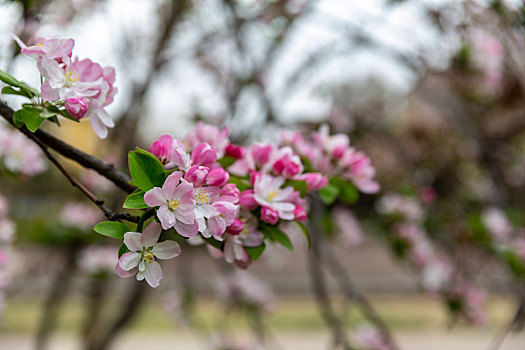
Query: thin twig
{"type": "Point", "coordinates": [500, 336]}
{"type": "Point", "coordinates": [107, 170]}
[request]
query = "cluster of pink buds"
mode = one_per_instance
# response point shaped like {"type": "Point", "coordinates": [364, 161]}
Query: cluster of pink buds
{"type": "Point", "coordinates": [84, 88]}
{"type": "Point", "coordinates": [7, 233]}
{"type": "Point", "coordinates": [333, 156]}
{"type": "Point", "coordinates": [231, 197]}
{"type": "Point", "coordinates": [19, 155]}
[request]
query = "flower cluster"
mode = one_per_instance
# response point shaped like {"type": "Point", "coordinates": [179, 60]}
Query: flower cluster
{"type": "Point", "coordinates": [7, 233]}
{"type": "Point", "coordinates": [84, 88]}
{"type": "Point", "coordinates": [19, 155]}
{"type": "Point", "coordinates": [333, 156]}
{"type": "Point", "coordinates": [228, 196]}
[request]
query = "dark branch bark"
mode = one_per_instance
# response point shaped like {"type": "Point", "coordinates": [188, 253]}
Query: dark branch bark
{"type": "Point", "coordinates": [107, 170]}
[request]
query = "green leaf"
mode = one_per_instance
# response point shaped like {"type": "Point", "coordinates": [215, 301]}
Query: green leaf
{"type": "Point", "coordinates": [226, 161]}
{"type": "Point", "coordinates": [18, 118]}
{"type": "Point", "coordinates": [347, 191]}
{"type": "Point", "coordinates": [255, 252]}
{"type": "Point", "coordinates": [274, 234]}
{"type": "Point", "coordinates": [8, 90]}
{"type": "Point", "coordinates": [32, 118]}
{"type": "Point", "coordinates": [113, 229]}
{"type": "Point", "coordinates": [146, 170]}
{"type": "Point", "coordinates": [239, 183]}
{"type": "Point", "coordinates": [27, 90]}
{"type": "Point", "coordinates": [305, 232]}
{"type": "Point", "coordinates": [329, 194]}
{"type": "Point", "coordinates": [135, 201]}
{"type": "Point", "coordinates": [298, 185]}
{"type": "Point", "coordinates": [123, 250]}
{"type": "Point", "coordinates": [9, 79]}
{"type": "Point", "coordinates": [515, 263]}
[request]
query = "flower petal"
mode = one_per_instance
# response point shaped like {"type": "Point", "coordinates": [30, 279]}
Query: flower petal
{"type": "Point", "coordinates": [129, 260]}
{"type": "Point", "coordinates": [132, 241]}
{"type": "Point", "coordinates": [171, 184]}
{"type": "Point", "coordinates": [123, 273]}
{"type": "Point", "coordinates": [166, 217]}
{"type": "Point", "coordinates": [151, 235]}
{"type": "Point", "coordinates": [156, 197]}
{"type": "Point", "coordinates": [153, 274]}
{"type": "Point", "coordinates": [166, 250]}
{"type": "Point", "coordinates": [187, 230]}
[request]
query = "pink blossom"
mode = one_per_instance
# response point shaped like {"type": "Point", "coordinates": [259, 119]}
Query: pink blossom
{"type": "Point", "coordinates": [230, 193]}
{"type": "Point", "coordinates": [395, 204]}
{"type": "Point", "coordinates": [268, 193]}
{"type": "Point", "coordinates": [314, 181]}
{"type": "Point", "coordinates": [77, 107]}
{"type": "Point", "coordinates": [213, 136]}
{"type": "Point", "coordinates": [197, 175]}
{"type": "Point", "coordinates": [96, 259]}
{"type": "Point", "coordinates": [162, 148]}
{"type": "Point", "coordinates": [334, 145]}
{"type": "Point", "coordinates": [236, 227]}
{"type": "Point", "coordinates": [176, 204]}
{"type": "Point", "coordinates": [23, 156]}
{"type": "Point", "coordinates": [285, 162]}
{"type": "Point", "coordinates": [234, 151]}
{"type": "Point", "coordinates": [436, 273]}
{"type": "Point", "coordinates": [226, 215]}
{"type": "Point", "coordinates": [370, 338]}
{"type": "Point", "coordinates": [55, 49]}
{"type": "Point", "coordinates": [7, 230]}
{"type": "Point", "coordinates": [249, 236]}
{"type": "Point", "coordinates": [270, 216]}
{"type": "Point", "coordinates": [144, 250]}
{"type": "Point", "coordinates": [217, 177]}
{"type": "Point", "coordinates": [360, 171]}
{"type": "Point", "coordinates": [247, 200]}
{"type": "Point", "coordinates": [80, 215]}
{"type": "Point", "coordinates": [497, 223]}
{"type": "Point", "coordinates": [261, 153]}
{"type": "Point", "coordinates": [349, 227]}
{"type": "Point", "coordinates": [203, 154]}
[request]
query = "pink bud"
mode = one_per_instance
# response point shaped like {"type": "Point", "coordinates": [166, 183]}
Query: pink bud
{"type": "Point", "coordinates": [236, 227]}
{"type": "Point", "coordinates": [217, 177]}
{"type": "Point", "coordinates": [261, 153]}
{"type": "Point", "coordinates": [278, 167]}
{"type": "Point", "coordinates": [291, 169]}
{"type": "Point", "coordinates": [314, 181]}
{"type": "Point", "coordinates": [230, 190]}
{"type": "Point", "coordinates": [161, 148]}
{"type": "Point", "coordinates": [247, 200]}
{"type": "Point", "coordinates": [269, 215]}
{"type": "Point", "coordinates": [196, 175]}
{"type": "Point", "coordinates": [204, 155]}
{"type": "Point", "coordinates": [77, 107]}
{"type": "Point", "coordinates": [338, 152]}
{"type": "Point", "coordinates": [299, 213]}
{"type": "Point", "coordinates": [254, 176]}
{"type": "Point", "coordinates": [235, 151]}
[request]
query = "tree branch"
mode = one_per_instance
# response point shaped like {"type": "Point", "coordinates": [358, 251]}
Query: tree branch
{"type": "Point", "coordinates": [107, 170]}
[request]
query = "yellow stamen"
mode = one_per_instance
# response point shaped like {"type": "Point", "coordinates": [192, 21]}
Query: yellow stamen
{"type": "Point", "coordinates": [71, 76]}
{"type": "Point", "coordinates": [272, 195]}
{"type": "Point", "coordinates": [149, 257]}
{"type": "Point", "coordinates": [203, 197]}
{"type": "Point", "coordinates": [174, 204]}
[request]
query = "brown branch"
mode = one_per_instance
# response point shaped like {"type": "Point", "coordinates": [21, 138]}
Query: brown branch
{"type": "Point", "coordinates": [349, 290]}
{"type": "Point", "coordinates": [517, 319]}
{"type": "Point", "coordinates": [107, 170]}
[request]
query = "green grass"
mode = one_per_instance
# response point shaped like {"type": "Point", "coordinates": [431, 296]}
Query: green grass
{"type": "Point", "coordinates": [289, 314]}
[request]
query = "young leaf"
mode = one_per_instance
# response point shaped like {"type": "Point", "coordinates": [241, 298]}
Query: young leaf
{"type": "Point", "coordinates": [329, 194]}
{"type": "Point", "coordinates": [112, 229]}
{"type": "Point", "coordinates": [298, 185]}
{"type": "Point", "coordinates": [135, 201]}
{"type": "Point", "coordinates": [239, 183]}
{"type": "Point", "coordinates": [255, 252]}
{"type": "Point", "coordinates": [9, 79]}
{"type": "Point", "coordinates": [146, 170]}
{"type": "Point", "coordinates": [32, 118]}
{"type": "Point", "coordinates": [18, 118]}
{"type": "Point", "coordinates": [274, 234]}
{"type": "Point", "coordinates": [8, 90]}
{"type": "Point", "coordinates": [347, 191]}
